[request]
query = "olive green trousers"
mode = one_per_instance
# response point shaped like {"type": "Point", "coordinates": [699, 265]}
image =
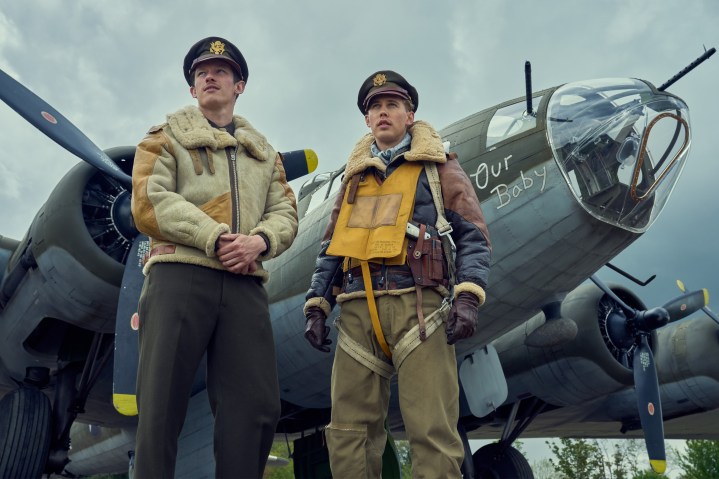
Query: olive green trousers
{"type": "Point", "coordinates": [187, 311]}
{"type": "Point", "coordinates": [428, 394]}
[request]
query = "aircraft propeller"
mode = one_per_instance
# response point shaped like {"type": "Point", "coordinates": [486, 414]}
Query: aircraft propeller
{"type": "Point", "coordinates": [49, 121]}
{"type": "Point", "coordinates": [629, 329]}
{"type": "Point", "coordinates": [706, 309]}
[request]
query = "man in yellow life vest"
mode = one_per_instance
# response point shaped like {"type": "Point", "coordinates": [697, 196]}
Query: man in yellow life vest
{"type": "Point", "coordinates": [406, 236]}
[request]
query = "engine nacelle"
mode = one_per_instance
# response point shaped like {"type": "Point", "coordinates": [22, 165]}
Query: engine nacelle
{"type": "Point", "coordinates": [66, 272]}
{"type": "Point", "coordinates": [576, 371]}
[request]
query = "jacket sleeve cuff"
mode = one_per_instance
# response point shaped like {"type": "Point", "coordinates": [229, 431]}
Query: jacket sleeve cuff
{"type": "Point", "coordinates": [214, 234]}
{"type": "Point", "coordinates": [473, 288]}
{"type": "Point", "coordinates": [318, 302]}
{"type": "Point", "coordinates": [267, 242]}
{"type": "Point", "coordinates": [270, 241]}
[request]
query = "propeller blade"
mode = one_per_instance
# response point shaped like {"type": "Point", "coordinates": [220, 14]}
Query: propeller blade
{"type": "Point", "coordinates": [126, 326]}
{"type": "Point", "coordinates": [706, 309]}
{"type": "Point", "coordinates": [49, 121]}
{"type": "Point", "coordinates": [298, 163]}
{"type": "Point", "coordinates": [687, 304]}
{"type": "Point", "coordinates": [649, 404]}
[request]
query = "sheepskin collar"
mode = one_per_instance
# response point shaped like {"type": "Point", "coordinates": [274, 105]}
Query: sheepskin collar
{"type": "Point", "coordinates": [192, 130]}
{"type": "Point", "coordinates": [426, 146]}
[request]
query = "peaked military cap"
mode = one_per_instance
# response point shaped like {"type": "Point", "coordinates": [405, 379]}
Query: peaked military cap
{"type": "Point", "coordinates": [386, 82]}
{"type": "Point", "coordinates": [214, 47]}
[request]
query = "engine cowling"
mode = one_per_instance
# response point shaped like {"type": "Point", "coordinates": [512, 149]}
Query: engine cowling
{"type": "Point", "coordinates": [67, 270]}
{"type": "Point", "coordinates": [576, 371]}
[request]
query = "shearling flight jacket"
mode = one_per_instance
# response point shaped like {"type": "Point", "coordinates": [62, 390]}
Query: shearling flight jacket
{"type": "Point", "coordinates": [462, 210]}
{"type": "Point", "coordinates": [187, 190]}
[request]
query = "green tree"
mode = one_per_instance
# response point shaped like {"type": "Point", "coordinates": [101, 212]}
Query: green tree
{"type": "Point", "coordinates": [620, 457]}
{"type": "Point", "coordinates": [700, 460]}
{"type": "Point", "coordinates": [604, 459]}
{"type": "Point", "coordinates": [543, 469]}
{"type": "Point", "coordinates": [618, 466]}
{"type": "Point", "coordinates": [648, 474]}
{"type": "Point", "coordinates": [577, 459]}
{"type": "Point", "coordinates": [405, 458]}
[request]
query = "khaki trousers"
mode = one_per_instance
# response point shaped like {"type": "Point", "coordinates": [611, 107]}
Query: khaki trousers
{"type": "Point", "coordinates": [428, 395]}
{"type": "Point", "coordinates": [185, 311]}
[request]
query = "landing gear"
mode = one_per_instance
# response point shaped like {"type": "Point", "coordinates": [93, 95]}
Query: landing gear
{"type": "Point", "coordinates": [131, 464]}
{"type": "Point", "coordinates": [494, 461]}
{"type": "Point", "coordinates": [25, 429]}
{"type": "Point", "coordinates": [35, 437]}
{"type": "Point", "coordinates": [78, 371]}
{"type": "Point", "coordinates": [500, 460]}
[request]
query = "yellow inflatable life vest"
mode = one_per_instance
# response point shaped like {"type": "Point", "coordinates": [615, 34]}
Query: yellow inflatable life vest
{"type": "Point", "coordinates": [372, 227]}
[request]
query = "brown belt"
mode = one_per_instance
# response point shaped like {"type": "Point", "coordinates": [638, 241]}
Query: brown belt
{"type": "Point", "coordinates": [376, 270]}
{"type": "Point", "coordinates": [158, 250]}
{"type": "Point", "coordinates": [162, 249]}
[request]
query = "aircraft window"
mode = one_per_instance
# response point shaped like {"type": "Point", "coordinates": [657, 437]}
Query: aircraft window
{"type": "Point", "coordinates": [310, 186]}
{"type": "Point", "coordinates": [321, 187]}
{"type": "Point", "coordinates": [509, 121]}
{"type": "Point", "coordinates": [620, 146]}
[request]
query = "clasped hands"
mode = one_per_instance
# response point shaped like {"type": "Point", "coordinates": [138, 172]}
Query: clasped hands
{"type": "Point", "coordinates": [238, 252]}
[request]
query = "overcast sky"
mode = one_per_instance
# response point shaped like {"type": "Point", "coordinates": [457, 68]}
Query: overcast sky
{"type": "Point", "coordinates": [114, 69]}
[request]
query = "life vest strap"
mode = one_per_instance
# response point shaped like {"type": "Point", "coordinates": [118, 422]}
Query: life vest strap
{"type": "Point", "coordinates": [372, 305]}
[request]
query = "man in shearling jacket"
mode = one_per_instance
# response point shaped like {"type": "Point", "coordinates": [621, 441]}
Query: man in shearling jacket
{"type": "Point", "coordinates": [384, 255]}
{"type": "Point", "coordinates": [211, 194]}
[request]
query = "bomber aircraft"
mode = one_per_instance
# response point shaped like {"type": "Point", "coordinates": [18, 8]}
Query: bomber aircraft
{"type": "Point", "coordinates": [568, 177]}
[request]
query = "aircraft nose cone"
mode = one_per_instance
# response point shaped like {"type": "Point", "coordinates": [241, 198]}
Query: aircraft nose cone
{"type": "Point", "coordinates": [620, 145]}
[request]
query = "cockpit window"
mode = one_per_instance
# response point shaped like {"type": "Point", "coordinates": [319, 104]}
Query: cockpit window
{"type": "Point", "coordinates": [317, 189]}
{"type": "Point", "coordinates": [620, 145]}
{"type": "Point", "coordinates": [509, 121]}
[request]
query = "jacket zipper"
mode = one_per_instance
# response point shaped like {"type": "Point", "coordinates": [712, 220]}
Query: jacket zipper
{"type": "Point", "coordinates": [234, 190]}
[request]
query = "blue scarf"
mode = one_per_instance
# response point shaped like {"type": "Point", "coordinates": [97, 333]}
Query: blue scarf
{"type": "Point", "coordinates": [389, 154]}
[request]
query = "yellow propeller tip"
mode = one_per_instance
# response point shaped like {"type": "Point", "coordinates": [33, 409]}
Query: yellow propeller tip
{"type": "Point", "coordinates": [312, 160]}
{"type": "Point", "coordinates": [126, 404]}
{"type": "Point", "coordinates": [706, 296]}
{"type": "Point", "coordinates": [681, 285]}
{"type": "Point", "coordinates": [658, 465]}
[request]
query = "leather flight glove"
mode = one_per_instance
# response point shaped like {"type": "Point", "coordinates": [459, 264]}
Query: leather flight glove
{"type": "Point", "coordinates": [315, 330]}
{"type": "Point", "coordinates": [462, 319]}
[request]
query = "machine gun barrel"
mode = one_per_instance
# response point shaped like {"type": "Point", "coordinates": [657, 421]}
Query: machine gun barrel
{"type": "Point", "coordinates": [687, 69]}
{"type": "Point", "coordinates": [528, 85]}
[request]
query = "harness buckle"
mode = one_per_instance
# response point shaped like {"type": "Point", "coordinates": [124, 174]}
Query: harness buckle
{"type": "Point", "coordinates": [448, 234]}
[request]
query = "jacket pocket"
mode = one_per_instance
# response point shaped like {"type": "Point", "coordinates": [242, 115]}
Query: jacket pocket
{"type": "Point", "coordinates": [219, 208]}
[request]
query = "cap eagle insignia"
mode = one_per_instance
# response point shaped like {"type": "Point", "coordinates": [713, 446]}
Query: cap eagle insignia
{"type": "Point", "coordinates": [217, 47]}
